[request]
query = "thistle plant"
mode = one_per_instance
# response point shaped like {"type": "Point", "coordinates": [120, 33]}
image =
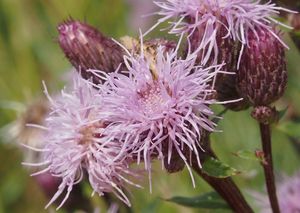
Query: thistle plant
{"type": "Point", "coordinates": [136, 101]}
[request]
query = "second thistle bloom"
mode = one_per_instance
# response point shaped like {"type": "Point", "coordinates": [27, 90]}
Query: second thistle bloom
{"type": "Point", "coordinates": [73, 144]}
{"type": "Point", "coordinates": [159, 110]}
{"type": "Point", "coordinates": [208, 19]}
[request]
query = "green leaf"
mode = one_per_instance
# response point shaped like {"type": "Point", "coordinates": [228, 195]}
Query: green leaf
{"type": "Point", "coordinates": [216, 168]}
{"type": "Point", "coordinates": [209, 200]}
{"type": "Point", "coordinates": [290, 128]}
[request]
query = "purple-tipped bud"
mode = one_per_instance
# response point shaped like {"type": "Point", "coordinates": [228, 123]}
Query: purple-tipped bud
{"type": "Point", "coordinates": [262, 76]}
{"type": "Point", "coordinates": [87, 48]}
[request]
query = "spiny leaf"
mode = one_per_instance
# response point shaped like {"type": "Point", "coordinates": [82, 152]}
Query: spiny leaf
{"type": "Point", "coordinates": [216, 168]}
{"type": "Point", "coordinates": [209, 200]}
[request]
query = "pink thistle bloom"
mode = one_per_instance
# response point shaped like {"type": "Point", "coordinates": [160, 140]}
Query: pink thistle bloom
{"type": "Point", "coordinates": [74, 144]}
{"type": "Point", "coordinates": [288, 192]}
{"type": "Point", "coordinates": [213, 17]}
{"type": "Point", "coordinates": [159, 103]}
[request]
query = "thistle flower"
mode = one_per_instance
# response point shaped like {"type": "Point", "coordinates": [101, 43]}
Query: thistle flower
{"type": "Point", "coordinates": [159, 110]}
{"type": "Point", "coordinates": [288, 192]}
{"type": "Point", "coordinates": [210, 17]}
{"type": "Point", "coordinates": [74, 145]}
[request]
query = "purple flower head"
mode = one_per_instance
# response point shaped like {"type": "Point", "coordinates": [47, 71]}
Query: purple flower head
{"type": "Point", "coordinates": [74, 144]}
{"type": "Point", "coordinates": [288, 192]}
{"type": "Point", "coordinates": [160, 107]}
{"type": "Point", "coordinates": [228, 19]}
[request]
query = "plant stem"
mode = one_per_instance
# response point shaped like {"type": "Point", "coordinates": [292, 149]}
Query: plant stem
{"type": "Point", "coordinates": [226, 188]}
{"type": "Point", "coordinates": [268, 166]}
{"type": "Point", "coordinates": [228, 191]}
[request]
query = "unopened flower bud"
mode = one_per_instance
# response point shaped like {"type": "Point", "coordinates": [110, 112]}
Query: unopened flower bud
{"type": "Point", "coordinates": [262, 76]}
{"type": "Point", "coordinates": [87, 48]}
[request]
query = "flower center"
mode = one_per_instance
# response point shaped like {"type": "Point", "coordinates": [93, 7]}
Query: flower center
{"type": "Point", "coordinates": [151, 99]}
{"type": "Point", "coordinates": [89, 132]}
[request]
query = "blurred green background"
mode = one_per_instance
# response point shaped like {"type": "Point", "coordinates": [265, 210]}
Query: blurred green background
{"type": "Point", "coordinates": [29, 53]}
